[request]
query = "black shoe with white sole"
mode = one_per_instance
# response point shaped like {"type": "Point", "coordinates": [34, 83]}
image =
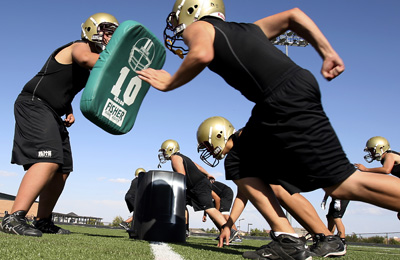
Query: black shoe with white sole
{"type": "Point", "coordinates": [327, 246]}
{"type": "Point", "coordinates": [16, 223]}
{"type": "Point", "coordinates": [284, 247]}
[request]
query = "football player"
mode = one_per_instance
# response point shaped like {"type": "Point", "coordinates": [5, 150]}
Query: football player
{"type": "Point", "coordinates": [288, 125]}
{"type": "Point", "coordinates": [41, 139]}
{"type": "Point", "coordinates": [378, 149]}
{"type": "Point", "coordinates": [130, 199]}
{"type": "Point", "coordinates": [198, 185]}
{"type": "Point", "coordinates": [216, 137]}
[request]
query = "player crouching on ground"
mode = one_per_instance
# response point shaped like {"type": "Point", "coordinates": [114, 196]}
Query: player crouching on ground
{"type": "Point", "coordinates": [378, 148]}
{"type": "Point", "coordinates": [198, 185]}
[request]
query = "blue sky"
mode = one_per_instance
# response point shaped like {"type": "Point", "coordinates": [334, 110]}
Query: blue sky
{"type": "Point", "coordinates": [361, 103]}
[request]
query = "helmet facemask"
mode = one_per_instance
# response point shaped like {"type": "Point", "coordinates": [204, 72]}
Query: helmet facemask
{"type": "Point", "coordinates": [184, 13]}
{"type": "Point", "coordinates": [208, 151]}
{"type": "Point", "coordinates": [373, 154]}
{"type": "Point", "coordinates": [162, 157]}
{"type": "Point", "coordinates": [375, 148]}
{"type": "Point", "coordinates": [370, 157]}
{"type": "Point", "coordinates": [173, 34]}
{"type": "Point", "coordinates": [103, 29]}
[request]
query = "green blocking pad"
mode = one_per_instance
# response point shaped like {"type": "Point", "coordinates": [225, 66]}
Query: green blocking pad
{"type": "Point", "coordinates": [113, 94]}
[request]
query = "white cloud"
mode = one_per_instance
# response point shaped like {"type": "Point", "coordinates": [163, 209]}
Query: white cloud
{"type": "Point", "coordinates": [120, 180]}
{"type": "Point", "coordinates": [364, 208]}
{"type": "Point", "coordinates": [7, 174]}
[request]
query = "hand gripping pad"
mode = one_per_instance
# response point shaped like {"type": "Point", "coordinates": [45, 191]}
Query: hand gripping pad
{"type": "Point", "coordinates": [113, 94]}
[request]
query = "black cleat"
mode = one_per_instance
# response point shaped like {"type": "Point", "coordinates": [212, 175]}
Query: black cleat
{"type": "Point", "coordinates": [16, 223]}
{"type": "Point", "coordinates": [327, 246]}
{"type": "Point", "coordinates": [124, 225]}
{"type": "Point", "coordinates": [282, 247]}
{"type": "Point", "coordinates": [234, 234]}
{"type": "Point", "coordinates": [344, 243]}
{"type": "Point", "coordinates": [46, 225]}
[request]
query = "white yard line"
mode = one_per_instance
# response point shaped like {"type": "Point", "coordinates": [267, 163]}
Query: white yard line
{"type": "Point", "coordinates": [163, 251]}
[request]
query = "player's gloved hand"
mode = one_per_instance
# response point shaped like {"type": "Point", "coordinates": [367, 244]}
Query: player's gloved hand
{"type": "Point", "coordinates": [337, 205]}
{"type": "Point", "coordinates": [323, 203]}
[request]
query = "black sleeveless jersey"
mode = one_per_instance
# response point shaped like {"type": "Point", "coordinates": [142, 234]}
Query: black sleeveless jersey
{"type": "Point", "coordinates": [396, 168]}
{"type": "Point", "coordinates": [247, 60]}
{"type": "Point", "coordinates": [57, 83]}
{"type": "Point", "coordinates": [193, 174]}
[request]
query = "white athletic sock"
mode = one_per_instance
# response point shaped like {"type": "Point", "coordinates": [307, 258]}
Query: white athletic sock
{"type": "Point", "coordinates": [290, 234]}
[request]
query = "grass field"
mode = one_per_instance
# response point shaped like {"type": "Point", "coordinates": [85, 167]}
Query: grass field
{"type": "Point", "coordinates": [104, 243]}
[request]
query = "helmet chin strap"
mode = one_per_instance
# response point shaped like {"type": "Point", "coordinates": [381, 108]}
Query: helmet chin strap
{"type": "Point", "coordinates": [178, 52]}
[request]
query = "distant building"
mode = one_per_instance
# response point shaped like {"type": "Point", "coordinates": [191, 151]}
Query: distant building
{"type": "Point", "coordinates": [72, 218]}
{"type": "Point", "coordinates": [6, 202]}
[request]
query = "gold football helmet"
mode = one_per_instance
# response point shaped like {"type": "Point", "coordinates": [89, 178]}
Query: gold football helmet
{"type": "Point", "coordinates": [96, 26]}
{"type": "Point", "coordinates": [168, 148]}
{"type": "Point", "coordinates": [184, 13]}
{"type": "Point", "coordinates": [375, 148]}
{"type": "Point", "coordinates": [212, 136]}
{"type": "Point", "coordinates": [139, 170]}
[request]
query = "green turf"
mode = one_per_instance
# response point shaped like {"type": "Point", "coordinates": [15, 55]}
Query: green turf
{"type": "Point", "coordinates": [103, 243]}
{"type": "Point", "coordinates": [205, 248]}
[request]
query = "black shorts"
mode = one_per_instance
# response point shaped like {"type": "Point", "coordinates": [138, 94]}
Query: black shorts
{"type": "Point", "coordinates": [226, 201]}
{"type": "Point", "coordinates": [332, 212]}
{"type": "Point", "coordinates": [200, 196]}
{"type": "Point", "coordinates": [40, 135]}
{"type": "Point", "coordinates": [289, 141]}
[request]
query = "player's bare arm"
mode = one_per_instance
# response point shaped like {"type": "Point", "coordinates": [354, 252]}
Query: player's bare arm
{"type": "Point", "coordinates": [297, 21]}
{"type": "Point", "coordinates": [199, 37]}
{"type": "Point", "coordinates": [386, 167]}
{"type": "Point", "coordinates": [238, 206]}
{"type": "Point", "coordinates": [177, 164]}
{"type": "Point", "coordinates": [82, 54]}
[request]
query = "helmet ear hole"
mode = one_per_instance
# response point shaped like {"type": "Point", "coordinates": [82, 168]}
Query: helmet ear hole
{"type": "Point", "coordinates": [191, 9]}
